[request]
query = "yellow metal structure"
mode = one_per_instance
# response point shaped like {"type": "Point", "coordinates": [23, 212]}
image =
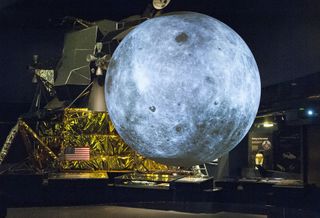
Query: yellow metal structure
{"type": "Point", "coordinates": [81, 127]}
{"type": "Point", "coordinates": [77, 127]}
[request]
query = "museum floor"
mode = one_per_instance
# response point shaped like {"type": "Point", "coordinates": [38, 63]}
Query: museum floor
{"type": "Point", "coordinates": [115, 212]}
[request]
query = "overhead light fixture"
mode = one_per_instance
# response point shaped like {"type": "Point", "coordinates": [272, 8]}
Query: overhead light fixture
{"type": "Point", "coordinates": [268, 124]}
{"type": "Point", "coordinates": [160, 4]}
{"type": "Point", "coordinates": [310, 112]}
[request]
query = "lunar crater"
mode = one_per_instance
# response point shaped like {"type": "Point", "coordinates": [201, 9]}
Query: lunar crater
{"type": "Point", "coordinates": [210, 80]}
{"type": "Point", "coordinates": [182, 37]}
{"type": "Point", "coordinates": [152, 108]}
{"type": "Point", "coordinates": [178, 128]}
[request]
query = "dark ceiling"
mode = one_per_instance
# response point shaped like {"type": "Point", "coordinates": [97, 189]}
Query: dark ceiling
{"type": "Point", "coordinates": [40, 13]}
{"type": "Point", "coordinates": [284, 35]}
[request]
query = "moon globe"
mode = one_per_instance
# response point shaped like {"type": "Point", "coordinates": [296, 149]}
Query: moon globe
{"type": "Point", "coordinates": [182, 89]}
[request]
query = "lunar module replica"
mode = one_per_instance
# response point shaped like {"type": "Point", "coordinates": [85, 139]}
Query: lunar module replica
{"type": "Point", "coordinates": [182, 126]}
{"type": "Point", "coordinates": [67, 127]}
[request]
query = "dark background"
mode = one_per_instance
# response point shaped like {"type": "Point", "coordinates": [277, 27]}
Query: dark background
{"type": "Point", "coordinates": [284, 35]}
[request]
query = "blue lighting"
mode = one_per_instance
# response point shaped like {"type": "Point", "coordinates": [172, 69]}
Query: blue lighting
{"type": "Point", "coordinates": [310, 112]}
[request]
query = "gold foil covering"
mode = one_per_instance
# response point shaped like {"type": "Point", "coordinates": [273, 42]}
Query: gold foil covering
{"type": "Point", "coordinates": [80, 127]}
{"type": "Point", "coordinates": [42, 156]}
{"type": "Point", "coordinates": [47, 75]}
{"type": "Point", "coordinates": [9, 141]}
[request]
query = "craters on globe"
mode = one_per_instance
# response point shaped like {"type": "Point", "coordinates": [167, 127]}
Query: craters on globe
{"type": "Point", "coordinates": [182, 89]}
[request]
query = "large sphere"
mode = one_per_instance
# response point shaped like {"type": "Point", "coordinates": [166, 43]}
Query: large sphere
{"type": "Point", "coordinates": [182, 89]}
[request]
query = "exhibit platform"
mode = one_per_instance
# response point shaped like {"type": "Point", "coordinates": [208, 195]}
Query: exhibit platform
{"type": "Point", "coordinates": [158, 191]}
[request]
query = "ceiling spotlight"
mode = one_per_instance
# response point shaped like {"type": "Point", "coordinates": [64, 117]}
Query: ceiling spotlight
{"type": "Point", "coordinates": [310, 112]}
{"type": "Point", "coordinates": [160, 4]}
{"type": "Point", "coordinates": [268, 124]}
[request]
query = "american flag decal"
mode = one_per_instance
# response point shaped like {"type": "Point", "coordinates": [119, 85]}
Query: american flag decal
{"type": "Point", "coordinates": [77, 153]}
